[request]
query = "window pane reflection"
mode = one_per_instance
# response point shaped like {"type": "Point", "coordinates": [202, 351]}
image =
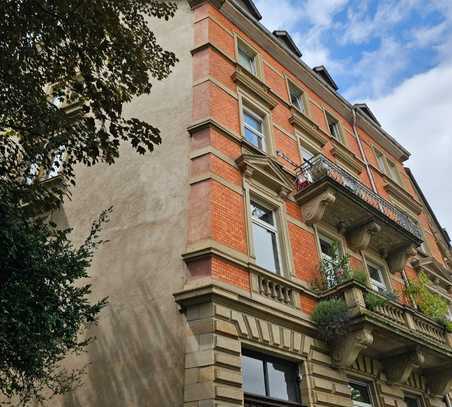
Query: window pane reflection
{"type": "Point", "coordinates": [253, 375]}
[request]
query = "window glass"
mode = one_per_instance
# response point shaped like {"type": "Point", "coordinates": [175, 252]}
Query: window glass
{"type": "Point", "coordinates": [265, 238]}
{"type": "Point", "coordinates": [380, 162]}
{"type": "Point", "coordinates": [360, 395]}
{"type": "Point", "coordinates": [333, 126]}
{"type": "Point", "coordinates": [296, 97]}
{"type": "Point", "coordinates": [393, 173]}
{"type": "Point", "coordinates": [247, 59]}
{"type": "Point", "coordinates": [376, 277]}
{"type": "Point", "coordinates": [282, 380]}
{"type": "Point", "coordinates": [328, 248]}
{"type": "Point", "coordinates": [268, 376]}
{"type": "Point", "coordinates": [253, 375]}
{"type": "Point", "coordinates": [412, 401]}
{"type": "Point", "coordinates": [254, 129]}
{"type": "Point", "coordinates": [306, 154]}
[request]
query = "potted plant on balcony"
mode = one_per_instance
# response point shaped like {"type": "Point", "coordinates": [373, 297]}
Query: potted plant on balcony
{"type": "Point", "coordinates": [331, 317]}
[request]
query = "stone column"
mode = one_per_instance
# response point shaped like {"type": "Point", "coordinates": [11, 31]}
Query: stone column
{"type": "Point", "coordinates": [212, 358]}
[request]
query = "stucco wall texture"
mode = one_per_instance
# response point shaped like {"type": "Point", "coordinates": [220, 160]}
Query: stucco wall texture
{"type": "Point", "coordinates": [138, 357]}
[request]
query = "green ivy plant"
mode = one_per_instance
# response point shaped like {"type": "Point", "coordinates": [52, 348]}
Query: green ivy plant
{"type": "Point", "coordinates": [331, 317]}
{"type": "Point", "coordinates": [428, 302]}
{"type": "Point", "coordinates": [374, 300]}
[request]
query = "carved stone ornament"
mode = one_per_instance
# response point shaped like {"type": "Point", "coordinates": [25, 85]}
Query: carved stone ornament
{"type": "Point", "coordinates": [314, 210]}
{"type": "Point", "coordinates": [347, 349]}
{"type": "Point", "coordinates": [440, 380]}
{"type": "Point", "coordinates": [398, 369]}
{"type": "Point", "coordinates": [398, 258]}
{"type": "Point", "coordinates": [360, 236]}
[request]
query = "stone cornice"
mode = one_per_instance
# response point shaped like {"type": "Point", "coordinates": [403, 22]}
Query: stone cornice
{"type": "Point", "coordinates": [244, 79]}
{"type": "Point", "coordinates": [206, 289]}
{"type": "Point", "coordinates": [310, 129]}
{"type": "Point", "coordinates": [403, 197]}
{"type": "Point", "coordinates": [346, 157]}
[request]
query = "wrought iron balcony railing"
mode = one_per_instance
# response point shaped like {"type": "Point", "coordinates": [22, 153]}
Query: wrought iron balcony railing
{"type": "Point", "coordinates": [319, 168]}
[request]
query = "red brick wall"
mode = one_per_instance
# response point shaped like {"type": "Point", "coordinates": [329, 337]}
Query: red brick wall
{"type": "Point", "coordinates": [216, 211]}
{"type": "Point", "coordinates": [230, 273]}
{"type": "Point", "coordinates": [228, 217]}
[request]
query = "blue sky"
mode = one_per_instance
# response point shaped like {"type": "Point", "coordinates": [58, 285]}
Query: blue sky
{"type": "Point", "coordinates": [395, 55]}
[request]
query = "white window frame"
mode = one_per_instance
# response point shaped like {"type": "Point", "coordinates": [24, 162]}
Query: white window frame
{"type": "Point", "coordinates": [244, 51]}
{"type": "Point", "coordinates": [381, 272]}
{"type": "Point", "coordinates": [299, 102]}
{"type": "Point", "coordinates": [262, 136]}
{"type": "Point", "coordinates": [336, 133]}
{"type": "Point", "coordinates": [271, 228]}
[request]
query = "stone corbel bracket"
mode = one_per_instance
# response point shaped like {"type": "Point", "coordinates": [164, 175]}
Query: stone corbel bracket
{"type": "Point", "coordinates": [440, 380]}
{"type": "Point", "coordinates": [347, 349]}
{"type": "Point", "coordinates": [397, 259]}
{"type": "Point", "coordinates": [398, 369]}
{"type": "Point", "coordinates": [314, 209]}
{"type": "Point", "coordinates": [359, 237]}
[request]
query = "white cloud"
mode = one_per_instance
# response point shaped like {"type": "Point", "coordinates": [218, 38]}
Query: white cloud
{"type": "Point", "coordinates": [374, 72]}
{"type": "Point", "coordinates": [427, 36]}
{"type": "Point", "coordinates": [417, 113]}
{"type": "Point", "coordinates": [281, 14]}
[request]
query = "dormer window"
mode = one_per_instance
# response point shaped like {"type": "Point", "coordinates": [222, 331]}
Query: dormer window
{"type": "Point", "coordinates": [247, 58]}
{"type": "Point", "coordinates": [333, 125]}
{"type": "Point", "coordinates": [297, 97]}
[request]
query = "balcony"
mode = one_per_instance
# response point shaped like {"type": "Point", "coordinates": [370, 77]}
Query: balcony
{"type": "Point", "coordinates": [402, 339]}
{"type": "Point", "coordinates": [328, 193]}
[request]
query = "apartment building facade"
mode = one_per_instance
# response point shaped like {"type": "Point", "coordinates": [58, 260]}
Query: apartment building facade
{"type": "Point", "coordinates": [217, 239]}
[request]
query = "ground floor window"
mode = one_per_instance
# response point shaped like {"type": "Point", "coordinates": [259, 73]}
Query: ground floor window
{"type": "Point", "coordinates": [413, 401]}
{"type": "Point", "coordinates": [361, 395]}
{"type": "Point", "coordinates": [267, 379]}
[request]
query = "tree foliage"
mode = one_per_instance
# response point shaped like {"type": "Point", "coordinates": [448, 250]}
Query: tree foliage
{"type": "Point", "coordinates": [66, 70]}
{"type": "Point", "coordinates": [53, 53]}
{"type": "Point", "coordinates": [43, 312]}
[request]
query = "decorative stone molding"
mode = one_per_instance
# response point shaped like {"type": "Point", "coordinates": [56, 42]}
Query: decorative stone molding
{"type": "Point", "coordinates": [347, 158]}
{"type": "Point", "coordinates": [258, 88]}
{"type": "Point", "coordinates": [403, 197]}
{"type": "Point", "coordinates": [398, 369]}
{"type": "Point", "coordinates": [309, 129]}
{"type": "Point", "coordinates": [264, 170]}
{"type": "Point", "coordinates": [397, 259]}
{"type": "Point", "coordinates": [347, 348]}
{"type": "Point", "coordinates": [440, 380]}
{"type": "Point", "coordinates": [359, 237]}
{"type": "Point", "coordinates": [271, 334]}
{"type": "Point", "coordinates": [314, 209]}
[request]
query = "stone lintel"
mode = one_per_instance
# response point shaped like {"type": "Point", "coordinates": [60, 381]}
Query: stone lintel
{"type": "Point", "coordinates": [398, 368]}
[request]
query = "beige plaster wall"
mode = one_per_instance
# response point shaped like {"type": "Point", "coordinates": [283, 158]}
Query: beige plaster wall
{"type": "Point", "coordinates": [138, 357]}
